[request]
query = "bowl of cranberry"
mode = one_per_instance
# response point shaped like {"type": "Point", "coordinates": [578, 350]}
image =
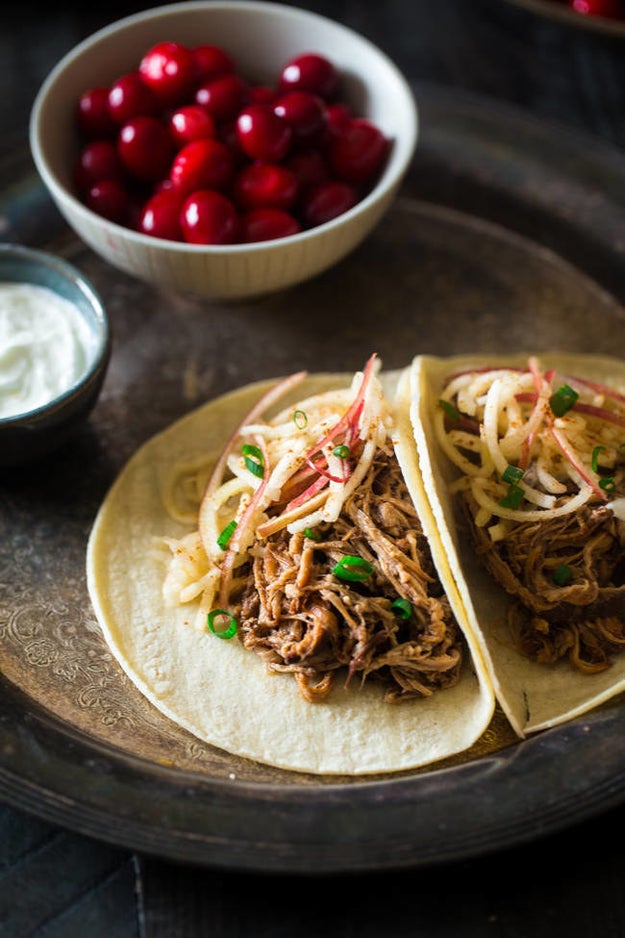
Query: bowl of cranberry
{"type": "Point", "coordinates": [224, 149]}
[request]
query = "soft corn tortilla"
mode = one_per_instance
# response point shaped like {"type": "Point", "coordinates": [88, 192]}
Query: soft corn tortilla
{"type": "Point", "coordinates": [532, 695]}
{"type": "Point", "coordinates": [220, 691]}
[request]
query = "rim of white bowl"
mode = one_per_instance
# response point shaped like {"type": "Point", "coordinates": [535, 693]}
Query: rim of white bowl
{"type": "Point", "coordinates": [392, 174]}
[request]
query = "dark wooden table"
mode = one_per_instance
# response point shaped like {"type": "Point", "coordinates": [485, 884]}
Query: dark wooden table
{"type": "Point", "coordinates": [57, 883]}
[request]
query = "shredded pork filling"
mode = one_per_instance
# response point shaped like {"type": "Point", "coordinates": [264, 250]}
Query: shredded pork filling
{"type": "Point", "coordinates": [584, 620]}
{"type": "Point", "coordinates": [301, 618]}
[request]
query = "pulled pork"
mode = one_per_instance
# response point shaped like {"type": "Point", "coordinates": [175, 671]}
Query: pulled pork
{"type": "Point", "coordinates": [583, 620]}
{"type": "Point", "coordinates": [301, 618]}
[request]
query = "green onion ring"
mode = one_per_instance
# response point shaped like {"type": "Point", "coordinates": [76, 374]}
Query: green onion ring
{"type": "Point", "coordinates": [513, 499]}
{"type": "Point", "coordinates": [253, 459]}
{"type": "Point", "coordinates": [512, 474]}
{"type": "Point", "coordinates": [300, 419]}
{"type": "Point", "coordinates": [402, 608]}
{"type": "Point", "coordinates": [563, 575]}
{"type": "Point", "coordinates": [312, 535]}
{"type": "Point", "coordinates": [342, 451]}
{"type": "Point", "coordinates": [607, 484]}
{"type": "Point", "coordinates": [595, 457]}
{"type": "Point", "coordinates": [355, 569]}
{"type": "Point", "coordinates": [224, 538]}
{"type": "Point", "coordinates": [230, 632]}
{"type": "Point", "coordinates": [452, 413]}
{"type": "Point", "coordinates": [562, 400]}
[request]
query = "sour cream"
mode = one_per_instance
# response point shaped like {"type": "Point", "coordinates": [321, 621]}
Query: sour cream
{"type": "Point", "coordinates": [44, 346]}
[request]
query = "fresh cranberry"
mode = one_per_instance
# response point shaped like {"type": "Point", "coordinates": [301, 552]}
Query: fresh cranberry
{"type": "Point", "coordinates": [337, 116]}
{"type": "Point", "coordinates": [262, 94]}
{"type": "Point", "coordinates": [612, 9]}
{"type": "Point", "coordinates": [97, 160]}
{"type": "Point", "coordinates": [310, 72]}
{"type": "Point", "coordinates": [358, 151]}
{"type": "Point", "coordinates": [167, 70]}
{"type": "Point", "coordinates": [190, 122]}
{"type": "Point", "coordinates": [210, 61]}
{"type": "Point", "coordinates": [223, 96]}
{"type": "Point", "coordinates": [160, 216]}
{"type": "Point", "coordinates": [327, 200]}
{"type": "Point", "coordinates": [145, 148]}
{"type": "Point", "coordinates": [129, 97]}
{"type": "Point", "coordinates": [265, 185]}
{"type": "Point", "coordinates": [262, 134]}
{"type": "Point", "coordinates": [310, 167]}
{"type": "Point", "coordinates": [202, 164]}
{"type": "Point", "coordinates": [93, 116]}
{"type": "Point", "coordinates": [267, 224]}
{"type": "Point", "coordinates": [304, 112]}
{"type": "Point", "coordinates": [110, 199]}
{"type": "Point", "coordinates": [209, 217]}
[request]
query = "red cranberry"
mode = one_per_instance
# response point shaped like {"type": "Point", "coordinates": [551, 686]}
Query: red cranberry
{"type": "Point", "coordinates": [262, 94]}
{"type": "Point", "coordinates": [358, 151]}
{"type": "Point", "coordinates": [310, 167]}
{"type": "Point", "coordinates": [97, 160]}
{"type": "Point", "coordinates": [145, 148]}
{"type": "Point", "coordinates": [190, 122]}
{"type": "Point", "coordinates": [337, 116]}
{"type": "Point", "coordinates": [208, 217]}
{"type": "Point", "coordinates": [167, 70]}
{"type": "Point", "coordinates": [129, 97]}
{"type": "Point", "coordinates": [327, 200]}
{"type": "Point", "coordinates": [223, 96]}
{"type": "Point", "coordinates": [267, 224]}
{"type": "Point", "coordinates": [210, 61]}
{"type": "Point", "coordinates": [110, 199]}
{"type": "Point", "coordinates": [265, 185]}
{"type": "Point", "coordinates": [310, 72]}
{"type": "Point", "coordinates": [262, 134]}
{"type": "Point", "coordinates": [202, 164]}
{"type": "Point", "coordinates": [160, 216]}
{"type": "Point", "coordinates": [612, 9]}
{"type": "Point", "coordinates": [303, 111]}
{"type": "Point", "coordinates": [93, 115]}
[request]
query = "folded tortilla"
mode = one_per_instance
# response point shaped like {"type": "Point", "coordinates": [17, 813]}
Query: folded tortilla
{"type": "Point", "coordinates": [222, 692]}
{"type": "Point", "coordinates": [534, 696]}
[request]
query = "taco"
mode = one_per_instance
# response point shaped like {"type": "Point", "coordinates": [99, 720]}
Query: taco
{"type": "Point", "coordinates": [523, 461]}
{"type": "Point", "coordinates": [265, 571]}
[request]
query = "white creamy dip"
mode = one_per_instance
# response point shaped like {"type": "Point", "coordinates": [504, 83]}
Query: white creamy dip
{"type": "Point", "coordinates": [44, 346]}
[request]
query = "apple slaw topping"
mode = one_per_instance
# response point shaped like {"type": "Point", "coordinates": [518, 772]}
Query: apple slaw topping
{"type": "Point", "coordinates": [532, 444]}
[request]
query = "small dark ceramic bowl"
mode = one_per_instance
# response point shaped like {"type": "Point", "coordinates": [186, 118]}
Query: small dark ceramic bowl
{"type": "Point", "coordinates": [32, 434]}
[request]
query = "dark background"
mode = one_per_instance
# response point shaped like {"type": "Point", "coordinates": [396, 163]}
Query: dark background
{"type": "Point", "coordinates": [59, 884]}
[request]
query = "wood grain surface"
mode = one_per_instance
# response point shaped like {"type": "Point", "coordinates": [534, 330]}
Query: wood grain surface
{"type": "Point", "coordinates": [56, 883]}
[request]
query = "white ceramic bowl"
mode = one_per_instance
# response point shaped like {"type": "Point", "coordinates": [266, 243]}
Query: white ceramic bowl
{"type": "Point", "coordinates": [261, 37]}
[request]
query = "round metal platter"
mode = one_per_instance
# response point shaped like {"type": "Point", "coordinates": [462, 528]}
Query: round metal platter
{"type": "Point", "coordinates": [509, 235]}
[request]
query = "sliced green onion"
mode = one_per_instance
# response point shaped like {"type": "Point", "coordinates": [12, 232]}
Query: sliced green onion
{"type": "Point", "coordinates": [402, 608]}
{"type": "Point", "coordinates": [607, 484]}
{"type": "Point", "coordinates": [228, 632]}
{"type": "Point", "coordinates": [224, 538]}
{"type": "Point", "coordinates": [563, 575]}
{"type": "Point", "coordinates": [341, 451]}
{"type": "Point", "coordinates": [353, 568]}
{"type": "Point", "coordinates": [452, 413]}
{"type": "Point", "coordinates": [253, 459]}
{"type": "Point", "coordinates": [312, 535]}
{"type": "Point", "coordinates": [514, 497]}
{"type": "Point", "coordinates": [512, 474]}
{"type": "Point", "coordinates": [562, 400]}
{"type": "Point", "coordinates": [595, 458]}
{"type": "Point", "coordinates": [300, 419]}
